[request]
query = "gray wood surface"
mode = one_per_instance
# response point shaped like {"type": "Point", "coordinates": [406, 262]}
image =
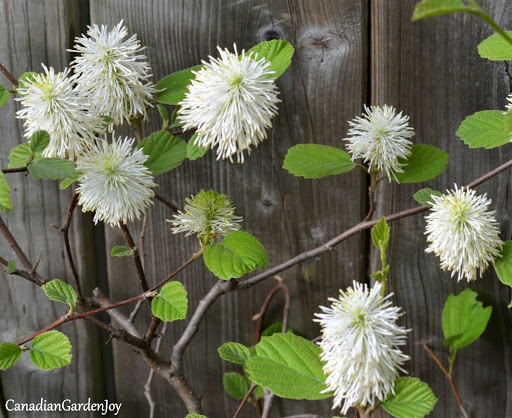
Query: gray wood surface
{"type": "Point", "coordinates": [32, 33]}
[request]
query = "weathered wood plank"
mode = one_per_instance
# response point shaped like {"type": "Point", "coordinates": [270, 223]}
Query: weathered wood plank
{"type": "Point", "coordinates": [431, 70]}
{"type": "Point", "coordinates": [32, 33]}
{"type": "Point", "coordinates": [323, 88]}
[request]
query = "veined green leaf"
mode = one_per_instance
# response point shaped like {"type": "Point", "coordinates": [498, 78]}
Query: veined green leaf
{"type": "Point", "coordinates": [485, 129]}
{"type": "Point", "coordinates": [61, 292]}
{"type": "Point", "coordinates": [380, 235]}
{"type": "Point", "coordinates": [165, 151]}
{"type": "Point", "coordinates": [425, 163]}
{"type": "Point", "coordinates": [503, 264]}
{"type": "Point", "coordinates": [51, 168]}
{"type": "Point", "coordinates": [278, 52]}
{"type": "Point", "coordinates": [4, 95]}
{"type": "Point", "coordinates": [234, 352]}
{"type": "Point", "coordinates": [431, 8]}
{"type": "Point", "coordinates": [121, 251]}
{"type": "Point", "coordinates": [39, 141]}
{"type": "Point", "coordinates": [173, 88]}
{"type": "Point", "coordinates": [51, 350]}
{"type": "Point", "coordinates": [9, 355]}
{"type": "Point", "coordinates": [236, 385]}
{"type": "Point", "coordinates": [171, 303]}
{"type": "Point", "coordinates": [496, 48]}
{"type": "Point", "coordinates": [195, 151]}
{"type": "Point", "coordinates": [424, 196]}
{"type": "Point", "coordinates": [5, 192]}
{"type": "Point", "coordinates": [412, 399]}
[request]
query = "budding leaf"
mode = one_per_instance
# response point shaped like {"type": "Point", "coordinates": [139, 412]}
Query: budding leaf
{"type": "Point", "coordinates": [61, 292]}
{"type": "Point", "coordinates": [380, 235]}
{"type": "Point", "coordinates": [11, 267]}
{"type": "Point", "coordinates": [165, 151]}
{"type": "Point", "coordinates": [424, 196]}
{"type": "Point", "coordinates": [485, 129]}
{"type": "Point", "coordinates": [173, 88]}
{"type": "Point", "coordinates": [163, 113]}
{"type": "Point", "coordinates": [52, 168]}
{"type": "Point", "coordinates": [412, 399]}
{"type": "Point", "coordinates": [289, 366]}
{"type": "Point", "coordinates": [431, 8]}
{"type": "Point", "coordinates": [496, 48]}
{"type": "Point", "coordinates": [195, 151]}
{"type": "Point", "coordinates": [171, 303]}
{"type": "Point", "coordinates": [9, 355]}
{"type": "Point", "coordinates": [175, 122]}
{"type": "Point", "coordinates": [503, 265]}
{"type": "Point", "coordinates": [463, 315]}
{"type": "Point", "coordinates": [234, 352]}
{"type": "Point", "coordinates": [314, 161]}
{"type": "Point", "coordinates": [4, 95]}
{"type": "Point", "coordinates": [121, 251]}
{"type": "Point", "coordinates": [236, 385]}
{"type": "Point", "coordinates": [5, 192]}
{"type": "Point", "coordinates": [39, 141]}
{"type": "Point", "coordinates": [425, 163]}
{"type": "Point", "coordinates": [278, 52]}
{"type": "Point", "coordinates": [51, 350]}
{"type": "Point", "coordinates": [237, 254]}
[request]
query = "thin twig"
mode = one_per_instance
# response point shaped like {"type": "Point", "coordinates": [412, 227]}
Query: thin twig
{"type": "Point", "coordinates": [136, 258]}
{"type": "Point", "coordinates": [151, 332]}
{"type": "Point", "coordinates": [142, 239]}
{"type": "Point", "coordinates": [244, 400]}
{"type": "Point", "coordinates": [9, 76]}
{"type": "Point", "coordinates": [15, 170]}
{"type": "Point", "coordinates": [20, 273]}
{"type": "Point", "coordinates": [147, 386]}
{"type": "Point", "coordinates": [135, 311]}
{"type": "Point", "coordinates": [170, 205]}
{"type": "Point", "coordinates": [137, 129]}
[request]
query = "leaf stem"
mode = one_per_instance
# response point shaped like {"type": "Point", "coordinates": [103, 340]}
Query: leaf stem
{"type": "Point", "coordinates": [480, 13]}
{"type": "Point", "coordinates": [9, 76]}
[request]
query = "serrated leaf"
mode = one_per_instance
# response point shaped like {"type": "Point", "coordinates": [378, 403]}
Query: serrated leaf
{"type": "Point", "coordinates": [496, 48]}
{"type": "Point", "coordinates": [68, 181]}
{"type": "Point", "coordinates": [5, 193]}
{"type": "Point", "coordinates": [424, 196]}
{"type": "Point", "coordinates": [289, 366]}
{"type": "Point", "coordinates": [20, 156]}
{"type": "Point", "coordinates": [51, 350]}
{"type": "Point", "coordinates": [165, 151]}
{"type": "Point", "coordinates": [171, 303]}
{"type": "Point", "coordinates": [29, 76]}
{"type": "Point", "coordinates": [412, 399]}
{"type": "Point", "coordinates": [121, 251]}
{"type": "Point", "coordinates": [175, 122]}
{"type": "Point", "coordinates": [314, 161]}
{"type": "Point", "coordinates": [11, 267]}
{"type": "Point", "coordinates": [431, 8]}
{"type": "Point", "coordinates": [278, 52]}
{"type": "Point", "coordinates": [485, 129]}
{"type": "Point", "coordinates": [39, 141]}
{"type": "Point", "coordinates": [173, 88]}
{"type": "Point", "coordinates": [234, 352]}
{"type": "Point", "coordinates": [194, 151]}
{"type": "Point", "coordinates": [236, 385]}
{"type": "Point", "coordinates": [9, 355]}
{"type": "Point", "coordinates": [61, 292]}
{"type": "Point", "coordinates": [463, 314]}
{"type": "Point", "coordinates": [4, 95]}
{"type": "Point", "coordinates": [163, 112]}
{"type": "Point", "coordinates": [507, 122]}
{"type": "Point", "coordinates": [425, 163]}
{"type": "Point", "coordinates": [380, 235]}
{"type": "Point", "coordinates": [237, 254]}
{"type": "Point", "coordinates": [274, 329]}
{"type": "Point", "coordinates": [52, 168]}
{"type": "Point", "coordinates": [449, 341]}
{"type": "Point", "coordinates": [503, 264]}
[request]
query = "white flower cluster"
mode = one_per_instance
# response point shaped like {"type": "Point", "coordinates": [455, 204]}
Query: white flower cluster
{"type": "Point", "coordinates": [463, 232]}
{"type": "Point", "coordinates": [359, 345]}
{"type": "Point", "coordinates": [231, 103]}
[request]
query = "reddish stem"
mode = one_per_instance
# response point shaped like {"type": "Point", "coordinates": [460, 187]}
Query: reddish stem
{"type": "Point", "coordinates": [9, 76]}
{"type": "Point", "coordinates": [136, 258]}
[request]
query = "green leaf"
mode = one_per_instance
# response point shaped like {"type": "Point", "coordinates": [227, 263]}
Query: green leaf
{"type": "Point", "coordinates": [9, 355]}
{"type": "Point", "coordinates": [237, 254]}
{"type": "Point", "coordinates": [449, 341]}
{"type": "Point", "coordinates": [68, 181]}
{"type": "Point", "coordinates": [196, 416]}
{"type": "Point", "coordinates": [274, 329]}
{"type": "Point", "coordinates": [510, 305]}
{"type": "Point", "coordinates": [11, 267]}
{"type": "Point", "coordinates": [496, 48]}
{"type": "Point", "coordinates": [5, 192]}
{"type": "Point", "coordinates": [236, 385]}
{"type": "Point", "coordinates": [380, 235]}
{"type": "Point", "coordinates": [51, 350]}
{"type": "Point", "coordinates": [173, 88]}
{"type": "Point", "coordinates": [412, 399]}
{"type": "Point", "coordinates": [503, 265]}
{"type": "Point", "coordinates": [289, 366]}
{"type": "Point", "coordinates": [20, 156]}
{"type": "Point", "coordinates": [163, 112]}
{"type": "Point", "coordinates": [165, 151]}
{"type": "Point", "coordinates": [4, 95]}
{"type": "Point", "coordinates": [314, 161]}
{"type": "Point", "coordinates": [424, 196]}
{"type": "Point", "coordinates": [61, 292]}
{"type": "Point", "coordinates": [278, 52]}
{"type": "Point", "coordinates": [485, 129]}
{"type": "Point", "coordinates": [194, 151]}
{"type": "Point", "coordinates": [425, 163]}
{"type": "Point", "coordinates": [39, 141]}
{"type": "Point", "coordinates": [22, 81]}
{"type": "Point", "coordinates": [175, 122]}
{"type": "Point", "coordinates": [507, 122]}
{"type": "Point", "coordinates": [121, 251]}
{"type": "Point", "coordinates": [52, 168]}
{"type": "Point", "coordinates": [234, 352]}
{"type": "Point", "coordinates": [463, 314]}
{"type": "Point", "coordinates": [431, 8]}
{"type": "Point", "coordinates": [171, 303]}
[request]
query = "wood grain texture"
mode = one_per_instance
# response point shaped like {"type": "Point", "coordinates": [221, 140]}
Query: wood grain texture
{"type": "Point", "coordinates": [432, 71]}
{"type": "Point", "coordinates": [323, 88]}
{"type": "Point", "coordinates": [32, 33]}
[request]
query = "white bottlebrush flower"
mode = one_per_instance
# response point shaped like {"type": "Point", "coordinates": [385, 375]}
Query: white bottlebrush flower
{"type": "Point", "coordinates": [114, 183]}
{"type": "Point", "coordinates": [231, 103]}
{"type": "Point", "coordinates": [112, 73]}
{"type": "Point", "coordinates": [380, 137]}
{"type": "Point", "coordinates": [207, 214]}
{"type": "Point", "coordinates": [463, 233]}
{"type": "Point", "coordinates": [51, 104]}
{"type": "Point", "coordinates": [509, 104]}
{"type": "Point", "coordinates": [359, 345]}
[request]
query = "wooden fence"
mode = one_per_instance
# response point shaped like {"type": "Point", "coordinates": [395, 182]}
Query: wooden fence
{"type": "Point", "coordinates": [348, 53]}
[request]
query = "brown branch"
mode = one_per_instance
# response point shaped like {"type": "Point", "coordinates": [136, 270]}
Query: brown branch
{"type": "Point", "coordinates": [137, 129]}
{"type": "Point", "coordinates": [136, 258]}
{"type": "Point", "coordinates": [9, 76]}
{"type": "Point", "coordinates": [151, 332]}
{"type": "Point", "coordinates": [170, 205]}
{"type": "Point", "coordinates": [20, 273]}
{"type": "Point", "coordinates": [260, 316]}
{"type": "Point", "coordinates": [244, 400]}
{"type": "Point", "coordinates": [15, 170]}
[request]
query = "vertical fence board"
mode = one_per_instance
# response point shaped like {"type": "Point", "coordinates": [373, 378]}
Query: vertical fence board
{"type": "Point", "coordinates": [32, 33]}
{"type": "Point", "coordinates": [432, 71]}
{"type": "Point", "coordinates": [323, 88]}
